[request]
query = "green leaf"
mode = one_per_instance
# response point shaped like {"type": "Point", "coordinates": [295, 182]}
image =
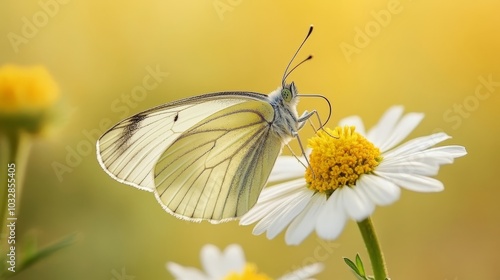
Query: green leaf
{"type": "Point", "coordinates": [351, 265]}
{"type": "Point", "coordinates": [357, 268]}
{"type": "Point", "coordinates": [36, 256]}
{"type": "Point", "coordinates": [359, 264]}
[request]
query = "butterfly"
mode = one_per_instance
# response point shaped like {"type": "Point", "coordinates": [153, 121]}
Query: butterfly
{"type": "Point", "coordinates": [206, 157]}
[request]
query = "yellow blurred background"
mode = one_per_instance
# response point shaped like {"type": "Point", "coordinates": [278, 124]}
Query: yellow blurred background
{"type": "Point", "coordinates": [430, 56]}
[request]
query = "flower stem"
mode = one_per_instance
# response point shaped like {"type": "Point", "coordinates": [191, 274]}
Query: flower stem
{"type": "Point", "coordinates": [373, 247]}
{"type": "Point", "coordinates": [16, 142]}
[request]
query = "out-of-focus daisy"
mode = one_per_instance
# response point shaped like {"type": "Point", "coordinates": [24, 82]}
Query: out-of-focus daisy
{"type": "Point", "coordinates": [28, 95]}
{"type": "Point", "coordinates": [231, 265]}
{"type": "Point", "coordinates": [350, 172]}
{"type": "Point", "coordinates": [29, 98]}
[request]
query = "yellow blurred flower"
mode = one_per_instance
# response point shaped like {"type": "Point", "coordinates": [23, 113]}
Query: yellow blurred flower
{"type": "Point", "coordinates": [27, 97]}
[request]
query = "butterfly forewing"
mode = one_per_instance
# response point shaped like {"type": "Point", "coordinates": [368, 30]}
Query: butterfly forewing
{"type": "Point", "coordinates": [216, 169]}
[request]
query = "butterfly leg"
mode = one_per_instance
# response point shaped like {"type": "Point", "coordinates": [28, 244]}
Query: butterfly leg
{"type": "Point", "coordinates": [306, 116]}
{"type": "Point", "coordinates": [296, 156]}
{"type": "Point", "coordinates": [296, 135]}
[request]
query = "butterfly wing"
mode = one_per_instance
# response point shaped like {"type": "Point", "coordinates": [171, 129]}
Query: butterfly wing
{"type": "Point", "coordinates": [129, 150]}
{"type": "Point", "coordinates": [216, 169]}
{"type": "Point", "coordinates": [228, 176]}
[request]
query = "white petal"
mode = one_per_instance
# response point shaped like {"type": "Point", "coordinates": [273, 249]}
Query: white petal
{"type": "Point", "coordinates": [267, 218]}
{"type": "Point", "coordinates": [437, 155]}
{"type": "Point", "coordinates": [402, 129]}
{"type": "Point", "coordinates": [379, 190]}
{"type": "Point", "coordinates": [425, 162]}
{"type": "Point", "coordinates": [276, 177]}
{"type": "Point", "coordinates": [255, 214]}
{"type": "Point", "coordinates": [286, 168]}
{"type": "Point", "coordinates": [356, 204]}
{"type": "Point", "coordinates": [354, 121]}
{"type": "Point", "coordinates": [270, 198]}
{"type": "Point", "coordinates": [262, 225]}
{"type": "Point", "coordinates": [277, 207]}
{"type": "Point", "coordinates": [211, 260]}
{"type": "Point", "coordinates": [185, 273]}
{"type": "Point", "coordinates": [409, 167]}
{"type": "Point", "coordinates": [331, 219]}
{"type": "Point", "coordinates": [285, 217]}
{"type": "Point", "coordinates": [280, 190]}
{"type": "Point", "coordinates": [304, 224]}
{"type": "Point", "coordinates": [233, 259]}
{"type": "Point", "coordinates": [417, 144]}
{"type": "Point", "coordinates": [382, 130]}
{"type": "Point", "coordinates": [304, 273]}
{"type": "Point", "coordinates": [368, 204]}
{"type": "Point", "coordinates": [453, 151]}
{"type": "Point", "coordinates": [411, 182]}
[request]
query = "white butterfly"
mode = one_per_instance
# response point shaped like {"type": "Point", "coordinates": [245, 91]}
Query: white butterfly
{"type": "Point", "coordinates": [206, 157]}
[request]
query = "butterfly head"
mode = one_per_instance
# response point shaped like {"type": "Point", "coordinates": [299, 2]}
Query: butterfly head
{"type": "Point", "coordinates": [288, 96]}
{"type": "Point", "coordinates": [288, 92]}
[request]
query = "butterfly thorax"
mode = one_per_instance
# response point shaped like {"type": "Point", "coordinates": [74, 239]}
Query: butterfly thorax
{"type": "Point", "coordinates": [285, 123]}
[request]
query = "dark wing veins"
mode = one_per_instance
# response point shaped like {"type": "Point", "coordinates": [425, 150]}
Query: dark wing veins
{"type": "Point", "coordinates": [134, 123]}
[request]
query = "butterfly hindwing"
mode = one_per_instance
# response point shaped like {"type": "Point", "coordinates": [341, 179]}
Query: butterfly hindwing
{"type": "Point", "coordinates": [216, 169]}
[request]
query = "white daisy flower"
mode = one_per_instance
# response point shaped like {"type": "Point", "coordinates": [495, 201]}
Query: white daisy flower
{"type": "Point", "coordinates": [231, 265]}
{"type": "Point", "coordinates": [349, 174]}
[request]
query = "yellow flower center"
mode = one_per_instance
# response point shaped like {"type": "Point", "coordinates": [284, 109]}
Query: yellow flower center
{"type": "Point", "coordinates": [338, 158]}
{"type": "Point", "coordinates": [249, 273]}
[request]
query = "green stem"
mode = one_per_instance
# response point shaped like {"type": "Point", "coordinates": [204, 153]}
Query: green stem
{"type": "Point", "coordinates": [17, 151]}
{"type": "Point", "coordinates": [3, 187]}
{"type": "Point", "coordinates": [373, 247]}
{"type": "Point", "coordinates": [12, 149]}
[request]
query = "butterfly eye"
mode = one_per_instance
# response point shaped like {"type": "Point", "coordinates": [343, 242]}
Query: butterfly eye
{"type": "Point", "coordinates": [286, 94]}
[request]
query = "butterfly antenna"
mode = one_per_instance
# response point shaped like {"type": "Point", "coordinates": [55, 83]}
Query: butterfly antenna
{"type": "Point", "coordinates": [293, 57]}
{"type": "Point", "coordinates": [308, 58]}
